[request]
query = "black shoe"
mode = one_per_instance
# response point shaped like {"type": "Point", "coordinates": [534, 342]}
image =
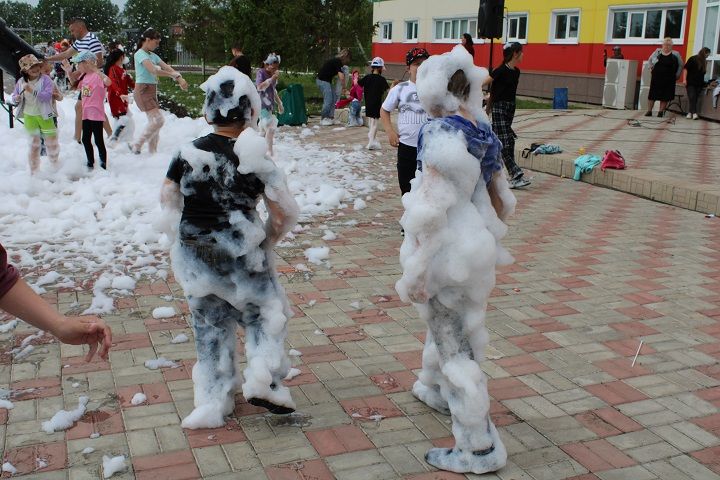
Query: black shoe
{"type": "Point", "coordinates": [661, 113]}
{"type": "Point", "coordinates": [272, 408]}
{"type": "Point", "coordinates": [103, 166]}
{"type": "Point", "coordinates": [648, 114]}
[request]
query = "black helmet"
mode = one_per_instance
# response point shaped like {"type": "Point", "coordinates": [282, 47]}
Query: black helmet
{"type": "Point", "coordinates": [414, 54]}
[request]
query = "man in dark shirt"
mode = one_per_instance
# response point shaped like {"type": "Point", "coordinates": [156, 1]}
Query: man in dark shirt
{"type": "Point", "coordinates": [324, 79]}
{"type": "Point", "coordinates": [240, 60]}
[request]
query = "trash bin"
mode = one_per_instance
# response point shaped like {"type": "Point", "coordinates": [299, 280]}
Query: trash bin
{"type": "Point", "coordinates": [560, 99]}
{"type": "Point", "coordinates": [293, 99]}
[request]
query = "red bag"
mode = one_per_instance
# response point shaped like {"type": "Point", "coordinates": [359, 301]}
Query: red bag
{"type": "Point", "coordinates": [612, 159]}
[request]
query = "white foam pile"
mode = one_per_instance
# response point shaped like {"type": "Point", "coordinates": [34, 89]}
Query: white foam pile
{"type": "Point", "coordinates": [64, 419]}
{"type": "Point", "coordinates": [161, 362]}
{"type": "Point", "coordinates": [180, 338]}
{"type": "Point", "coordinates": [113, 465]}
{"type": "Point", "coordinates": [163, 312]}
{"type": "Point", "coordinates": [105, 221]}
{"type": "Point", "coordinates": [316, 255]}
{"type": "Point", "coordinates": [138, 398]}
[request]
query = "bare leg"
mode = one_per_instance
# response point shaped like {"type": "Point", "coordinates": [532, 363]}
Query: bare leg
{"type": "Point", "coordinates": [78, 120]}
{"type": "Point", "coordinates": [269, 138]}
{"type": "Point", "coordinates": [34, 156]}
{"type": "Point", "coordinates": [663, 106]}
{"type": "Point", "coordinates": [150, 135]}
{"type": "Point", "coordinates": [106, 126]}
{"type": "Point", "coordinates": [53, 149]}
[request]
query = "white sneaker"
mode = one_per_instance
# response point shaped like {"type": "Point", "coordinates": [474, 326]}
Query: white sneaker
{"type": "Point", "coordinates": [695, 116]}
{"type": "Point", "coordinates": [374, 145]}
{"type": "Point", "coordinates": [326, 122]}
{"type": "Point", "coordinates": [689, 116]}
{"type": "Point", "coordinates": [519, 182]}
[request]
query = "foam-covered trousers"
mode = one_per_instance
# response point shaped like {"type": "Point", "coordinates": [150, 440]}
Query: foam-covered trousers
{"type": "Point", "coordinates": [215, 320]}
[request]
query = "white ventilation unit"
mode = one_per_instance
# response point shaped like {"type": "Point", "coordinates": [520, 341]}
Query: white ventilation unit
{"type": "Point", "coordinates": [645, 78]}
{"type": "Point", "coordinates": [620, 81]}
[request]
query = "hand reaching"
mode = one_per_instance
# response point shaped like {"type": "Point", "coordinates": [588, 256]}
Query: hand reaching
{"type": "Point", "coordinates": [183, 84]}
{"type": "Point", "coordinates": [87, 330]}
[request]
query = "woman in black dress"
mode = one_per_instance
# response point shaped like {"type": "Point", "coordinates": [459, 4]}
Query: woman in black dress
{"type": "Point", "coordinates": [666, 65]}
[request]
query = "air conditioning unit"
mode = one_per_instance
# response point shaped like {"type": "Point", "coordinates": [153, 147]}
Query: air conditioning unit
{"type": "Point", "coordinates": [620, 80]}
{"type": "Point", "coordinates": [645, 78]}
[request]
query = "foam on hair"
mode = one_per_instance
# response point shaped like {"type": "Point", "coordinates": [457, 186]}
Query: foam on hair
{"type": "Point", "coordinates": [230, 96]}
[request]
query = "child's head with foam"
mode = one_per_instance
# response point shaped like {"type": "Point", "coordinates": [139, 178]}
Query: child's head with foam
{"type": "Point", "coordinates": [230, 98]}
{"type": "Point", "coordinates": [447, 81]}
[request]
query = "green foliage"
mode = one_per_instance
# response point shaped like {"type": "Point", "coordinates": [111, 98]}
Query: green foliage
{"type": "Point", "coordinates": [17, 14]}
{"type": "Point", "coordinates": [101, 16]}
{"type": "Point", "coordinates": [139, 15]}
{"type": "Point", "coordinates": [201, 21]}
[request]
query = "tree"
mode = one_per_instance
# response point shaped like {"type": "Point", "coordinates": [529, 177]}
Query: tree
{"type": "Point", "coordinates": [158, 14]}
{"type": "Point", "coordinates": [17, 14]}
{"type": "Point", "coordinates": [101, 16]}
{"type": "Point", "coordinates": [203, 34]}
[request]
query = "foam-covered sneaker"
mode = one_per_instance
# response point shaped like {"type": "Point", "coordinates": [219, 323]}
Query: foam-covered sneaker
{"type": "Point", "coordinates": [519, 182]}
{"type": "Point", "coordinates": [695, 116]}
{"type": "Point", "coordinates": [689, 116]}
{"type": "Point", "coordinates": [133, 149]}
{"type": "Point", "coordinates": [430, 396]}
{"type": "Point", "coordinates": [326, 122]}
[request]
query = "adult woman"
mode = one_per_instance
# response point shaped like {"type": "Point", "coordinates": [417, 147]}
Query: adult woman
{"type": "Point", "coordinates": [666, 65]}
{"type": "Point", "coordinates": [503, 90]}
{"type": "Point", "coordinates": [148, 68]}
{"type": "Point", "coordinates": [696, 67]}
{"type": "Point", "coordinates": [467, 42]}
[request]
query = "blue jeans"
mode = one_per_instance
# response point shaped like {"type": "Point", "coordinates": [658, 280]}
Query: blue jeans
{"type": "Point", "coordinates": [329, 98]}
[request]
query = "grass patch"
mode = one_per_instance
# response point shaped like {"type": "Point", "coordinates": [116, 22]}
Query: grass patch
{"type": "Point", "coordinates": [192, 99]}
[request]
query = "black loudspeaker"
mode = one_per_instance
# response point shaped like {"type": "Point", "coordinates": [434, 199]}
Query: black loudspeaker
{"type": "Point", "coordinates": [490, 18]}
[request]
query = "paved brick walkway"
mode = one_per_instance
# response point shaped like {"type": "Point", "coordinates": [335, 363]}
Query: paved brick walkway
{"type": "Point", "coordinates": [672, 159]}
{"type": "Point", "coordinates": [597, 271]}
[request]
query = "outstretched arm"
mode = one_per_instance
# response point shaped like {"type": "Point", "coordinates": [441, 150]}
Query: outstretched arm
{"type": "Point", "coordinates": [282, 209]}
{"type": "Point", "coordinates": [22, 302]}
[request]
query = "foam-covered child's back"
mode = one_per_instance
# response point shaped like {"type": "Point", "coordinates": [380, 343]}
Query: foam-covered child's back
{"type": "Point", "coordinates": [433, 77]}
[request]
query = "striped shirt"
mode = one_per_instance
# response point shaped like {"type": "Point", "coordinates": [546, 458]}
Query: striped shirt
{"type": "Point", "coordinates": [89, 42]}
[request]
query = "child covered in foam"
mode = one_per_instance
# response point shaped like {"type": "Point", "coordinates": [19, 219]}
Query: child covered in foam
{"type": "Point", "coordinates": [454, 221]}
{"type": "Point", "coordinates": [223, 254]}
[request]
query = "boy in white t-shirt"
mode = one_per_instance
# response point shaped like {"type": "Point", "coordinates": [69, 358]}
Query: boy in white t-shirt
{"type": "Point", "coordinates": [411, 117]}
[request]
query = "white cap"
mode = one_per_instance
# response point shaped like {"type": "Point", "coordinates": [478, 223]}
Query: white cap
{"type": "Point", "coordinates": [272, 58]}
{"type": "Point", "coordinates": [377, 62]}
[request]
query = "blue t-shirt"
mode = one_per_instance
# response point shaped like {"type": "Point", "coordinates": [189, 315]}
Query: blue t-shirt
{"type": "Point", "coordinates": [141, 73]}
{"type": "Point", "coordinates": [482, 143]}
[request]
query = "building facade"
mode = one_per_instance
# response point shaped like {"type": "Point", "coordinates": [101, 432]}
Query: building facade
{"type": "Point", "coordinates": [565, 40]}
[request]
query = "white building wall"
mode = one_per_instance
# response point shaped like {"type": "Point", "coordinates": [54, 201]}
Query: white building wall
{"type": "Point", "coordinates": [425, 11]}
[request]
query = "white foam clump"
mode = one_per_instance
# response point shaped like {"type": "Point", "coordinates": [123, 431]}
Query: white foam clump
{"type": "Point", "coordinates": [9, 468]}
{"type": "Point", "coordinates": [94, 435]}
{"type": "Point", "coordinates": [138, 398]}
{"type": "Point", "coordinates": [40, 463]}
{"type": "Point", "coordinates": [113, 465]}
{"type": "Point", "coordinates": [64, 419]}
{"type": "Point", "coordinates": [6, 404]}
{"type": "Point", "coordinates": [359, 204]}
{"type": "Point", "coordinates": [7, 326]}
{"type": "Point", "coordinates": [101, 302]}
{"type": "Point", "coordinates": [301, 267]}
{"type": "Point", "coordinates": [47, 279]}
{"type": "Point", "coordinates": [163, 312]}
{"type": "Point", "coordinates": [161, 362]}
{"type": "Point", "coordinates": [329, 235]}
{"type": "Point", "coordinates": [294, 372]}
{"type": "Point", "coordinates": [316, 255]}
{"type": "Point", "coordinates": [123, 282]}
{"type": "Point", "coordinates": [87, 450]}
{"type": "Point", "coordinates": [294, 353]}
{"type": "Point", "coordinates": [180, 338]}
{"type": "Point", "coordinates": [355, 305]}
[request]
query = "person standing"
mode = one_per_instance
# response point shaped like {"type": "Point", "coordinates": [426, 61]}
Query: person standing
{"type": "Point", "coordinates": [148, 67]}
{"type": "Point", "coordinates": [240, 60]}
{"type": "Point", "coordinates": [85, 41]}
{"type": "Point", "coordinates": [93, 89]}
{"type": "Point", "coordinates": [329, 70]}
{"type": "Point", "coordinates": [617, 55]}
{"type": "Point", "coordinates": [504, 81]}
{"type": "Point", "coordinates": [266, 82]}
{"type": "Point", "coordinates": [696, 67]}
{"type": "Point", "coordinates": [411, 117]}
{"type": "Point", "coordinates": [467, 42]}
{"type": "Point", "coordinates": [374, 86]}
{"type": "Point", "coordinates": [118, 92]}
{"type": "Point", "coordinates": [223, 254]}
{"type": "Point", "coordinates": [666, 66]}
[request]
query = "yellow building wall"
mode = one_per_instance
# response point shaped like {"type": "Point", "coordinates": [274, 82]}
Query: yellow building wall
{"type": "Point", "coordinates": [593, 15]}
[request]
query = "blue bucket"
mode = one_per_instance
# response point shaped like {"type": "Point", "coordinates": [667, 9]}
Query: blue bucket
{"type": "Point", "coordinates": [560, 99]}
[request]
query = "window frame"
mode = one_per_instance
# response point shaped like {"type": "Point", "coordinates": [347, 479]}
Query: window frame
{"type": "Point", "coordinates": [517, 16]}
{"type": "Point", "coordinates": [449, 20]}
{"type": "Point", "coordinates": [713, 61]}
{"type": "Point", "coordinates": [644, 9]}
{"type": "Point", "coordinates": [569, 12]}
{"type": "Point", "coordinates": [416, 22]}
{"type": "Point", "coordinates": [383, 38]}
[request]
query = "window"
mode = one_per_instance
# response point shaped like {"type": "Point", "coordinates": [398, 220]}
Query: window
{"type": "Point", "coordinates": [647, 25]}
{"type": "Point", "coordinates": [386, 31]}
{"type": "Point", "coordinates": [411, 30]}
{"type": "Point", "coordinates": [565, 26]}
{"type": "Point", "coordinates": [711, 37]}
{"type": "Point", "coordinates": [452, 29]}
{"type": "Point", "coordinates": [517, 27]}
